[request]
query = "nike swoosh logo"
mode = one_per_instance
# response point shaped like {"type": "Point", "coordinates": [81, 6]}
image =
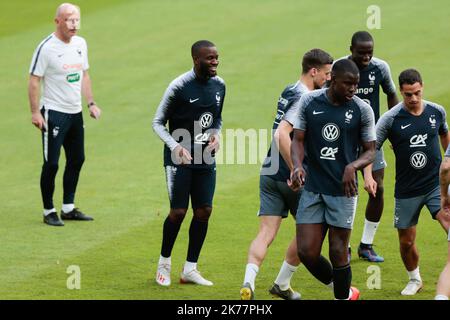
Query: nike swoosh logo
{"type": "Point", "coordinates": [317, 112]}
{"type": "Point", "coordinates": [404, 127]}
{"type": "Point", "coordinates": [60, 55]}
{"type": "Point", "coordinates": [193, 100]}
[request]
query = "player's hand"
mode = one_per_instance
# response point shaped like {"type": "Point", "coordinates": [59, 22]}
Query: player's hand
{"type": "Point", "coordinates": [182, 156]}
{"type": "Point", "coordinates": [349, 181]}
{"type": "Point", "coordinates": [370, 185]}
{"type": "Point", "coordinates": [95, 111]}
{"type": "Point", "coordinates": [214, 143]}
{"type": "Point", "coordinates": [297, 179]}
{"type": "Point", "coordinates": [38, 120]}
{"type": "Point", "coordinates": [291, 185]}
{"type": "Point", "coordinates": [445, 205]}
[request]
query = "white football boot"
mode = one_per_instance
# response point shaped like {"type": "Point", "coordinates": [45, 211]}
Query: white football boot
{"type": "Point", "coordinates": [163, 274]}
{"type": "Point", "coordinates": [195, 277]}
{"type": "Point", "coordinates": [412, 287]}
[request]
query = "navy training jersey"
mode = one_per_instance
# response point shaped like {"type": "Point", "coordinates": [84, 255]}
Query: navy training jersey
{"type": "Point", "coordinates": [376, 74]}
{"type": "Point", "coordinates": [193, 109]}
{"type": "Point", "coordinates": [274, 165]}
{"type": "Point", "coordinates": [415, 140]}
{"type": "Point", "coordinates": [333, 135]}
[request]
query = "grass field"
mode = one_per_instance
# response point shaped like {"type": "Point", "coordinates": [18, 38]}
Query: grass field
{"type": "Point", "coordinates": [136, 48]}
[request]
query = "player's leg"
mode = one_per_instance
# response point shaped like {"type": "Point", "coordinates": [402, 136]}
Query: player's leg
{"type": "Point", "coordinates": [178, 182]}
{"type": "Point", "coordinates": [282, 284]}
{"type": "Point", "coordinates": [410, 258]}
{"type": "Point", "coordinates": [433, 203]}
{"type": "Point", "coordinates": [311, 231]}
{"type": "Point", "coordinates": [202, 188]}
{"type": "Point", "coordinates": [268, 228]}
{"type": "Point", "coordinates": [339, 215]}
{"type": "Point", "coordinates": [342, 274]}
{"type": "Point", "coordinates": [406, 217]}
{"type": "Point", "coordinates": [309, 245]}
{"type": "Point", "coordinates": [74, 148]}
{"type": "Point", "coordinates": [374, 210]}
{"type": "Point", "coordinates": [444, 220]}
{"type": "Point", "coordinates": [52, 139]}
{"type": "Point", "coordinates": [443, 286]}
{"type": "Point", "coordinates": [271, 211]}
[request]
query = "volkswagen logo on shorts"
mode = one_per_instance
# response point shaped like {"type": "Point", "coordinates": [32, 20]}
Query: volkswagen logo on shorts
{"type": "Point", "coordinates": [206, 120]}
{"type": "Point", "coordinates": [418, 160]}
{"type": "Point", "coordinates": [330, 132]}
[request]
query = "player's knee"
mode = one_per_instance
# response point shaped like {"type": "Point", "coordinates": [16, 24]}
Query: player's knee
{"type": "Point", "coordinates": [76, 163]}
{"type": "Point", "coordinates": [202, 214]}
{"type": "Point", "coordinates": [339, 256]}
{"type": "Point", "coordinates": [267, 235]}
{"type": "Point", "coordinates": [406, 244]}
{"type": "Point", "coordinates": [305, 254]}
{"type": "Point", "coordinates": [177, 215]}
{"type": "Point", "coordinates": [50, 167]}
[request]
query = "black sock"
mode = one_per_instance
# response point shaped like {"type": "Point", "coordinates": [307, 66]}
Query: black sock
{"type": "Point", "coordinates": [365, 246]}
{"type": "Point", "coordinates": [197, 235]}
{"type": "Point", "coordinates": [342, 278]}
{"type": "Point", "coordinates": [321, 269]}
{"type": "Point", "coordinates": [170, 232]}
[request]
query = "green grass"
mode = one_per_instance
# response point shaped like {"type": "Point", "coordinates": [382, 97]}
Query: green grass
{"type": "Point", "coordinates": [136, 48]}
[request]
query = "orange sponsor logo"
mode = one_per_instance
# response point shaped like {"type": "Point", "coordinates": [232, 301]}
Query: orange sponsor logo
{"type": "Point", "coordinates": [76, 66]}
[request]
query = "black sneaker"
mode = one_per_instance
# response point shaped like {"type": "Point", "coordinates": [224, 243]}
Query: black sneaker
{"type": "Point", "coordinates": [366, 252]}
{"type": "Point", "coordinates": [52, 220]}
{"type": "Point", "coordinates": [75, 214]}
{"type": "Point", "coordinates": [288, 294]}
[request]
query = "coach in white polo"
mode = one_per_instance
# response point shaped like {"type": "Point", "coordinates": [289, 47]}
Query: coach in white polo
{"type": "Point", "coordinates": [60, 62]}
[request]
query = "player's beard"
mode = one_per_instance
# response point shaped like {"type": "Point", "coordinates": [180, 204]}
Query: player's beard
{"type": "Point", "coordinates": [206, 72]}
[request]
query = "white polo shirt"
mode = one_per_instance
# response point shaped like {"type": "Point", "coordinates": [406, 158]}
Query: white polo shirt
{"type": "Point", "coordinates": [61, 67]}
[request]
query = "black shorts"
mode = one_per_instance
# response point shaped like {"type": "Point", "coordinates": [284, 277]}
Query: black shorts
{"type": "Point", "coordinates": [198, 183]}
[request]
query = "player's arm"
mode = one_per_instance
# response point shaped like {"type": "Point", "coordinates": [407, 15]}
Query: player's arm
{"type": "Point", "coordinates": [349, 177]}
{"type": "Point", "coordinates": [445, 140]}
{"type": "Point", "coordinates": [180, 154]}
{"type": "Point", "coordinates": [370, 185]}
{"type": "Point", "coordinates": [392, 99]}
{"type": "Point", "coordinates": [388, 85]}
{"type": "Point", "coordinates": [86, 89]}
{"type": "Point", "coordinates": [444, 179]}
{"type": "Point", "coordinates": [283, 140]}
{"type": "Point", "coordinates": [34, 86]}
{"type": "Point", "coordinates": [298, 173]}
{"type": "Point", "coordinates": [382, 131]}
{"type": "Point", "coordinates": [368, 143]}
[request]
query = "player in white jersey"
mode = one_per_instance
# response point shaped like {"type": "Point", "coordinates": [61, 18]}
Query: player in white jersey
{"type": "Point", "coordinates": [60, 63]}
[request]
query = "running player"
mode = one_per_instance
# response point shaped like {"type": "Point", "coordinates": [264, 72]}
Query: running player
{"type": "Point", "coordinates": [373, 73]}
{"type": "Point", "coordinates": [414, 127]}
{"type": "Point", "coordinates": [333, 125]}
{"type": "Point", "coordinates": [276, 198]}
